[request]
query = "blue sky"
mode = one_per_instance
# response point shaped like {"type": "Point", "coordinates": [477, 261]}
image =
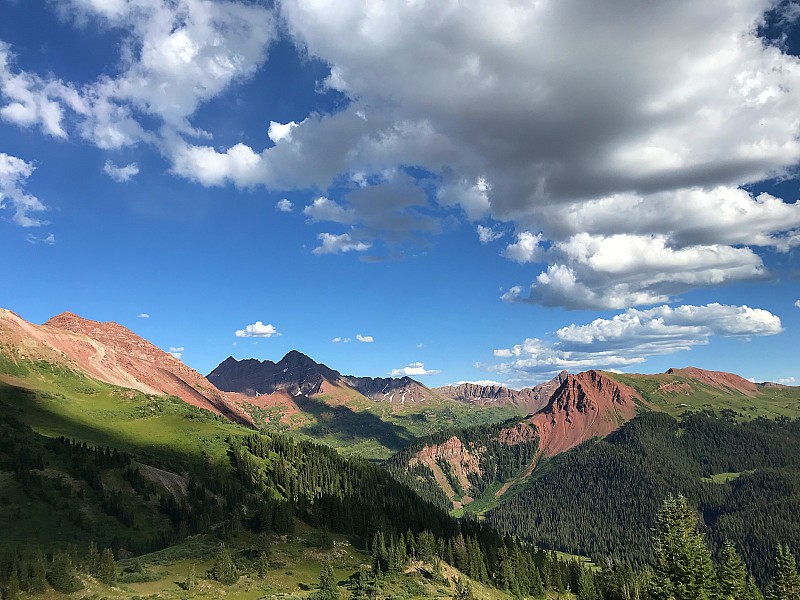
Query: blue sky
{"type": "Point", "coordinates": [486, 191]}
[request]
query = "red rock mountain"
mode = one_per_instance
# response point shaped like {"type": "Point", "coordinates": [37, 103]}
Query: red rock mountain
{"type": "Point", "coordinates": [113, 354]}
{"type": "Point", "coordinates": [584, 406]}
{"type": "Point", "coordinates": [530, 400]}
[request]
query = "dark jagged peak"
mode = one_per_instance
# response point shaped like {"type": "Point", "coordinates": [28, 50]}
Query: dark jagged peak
{"type": "Point", "coordinates": [398, 390]}
{"type": "Point", "coordinates": [296, 373]}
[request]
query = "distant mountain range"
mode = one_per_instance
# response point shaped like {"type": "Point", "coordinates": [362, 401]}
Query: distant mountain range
{"type": "Point", "coordinates": [566, 410]}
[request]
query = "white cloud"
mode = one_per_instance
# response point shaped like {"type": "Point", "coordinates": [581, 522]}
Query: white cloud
{"type": "Point", "coordinates": [121, 174]}
{"type": "Point", "coordinates": [174, 57]}
{"type": "Point", "coordinates": [413, 370]}
{"type": "Point", "coordinates": [48, 240]}
{"type": "Point", "coordinates": [14, 174]}
{"type": "Point", "coordinates": [323, 209]}
{"type": "Point", "coordinates": [143, 316]}
{"type": "Point", "coordinates": [631, 337]}
{"type": "Point", "coordinates": [176, 352]}
{"type": "Point", "coordinates": [333, 244]}
{"type": "Point", "coordinates": [797, 303]}
{"type": "Point", "coordinates": [596, 271]}
{"type": "Point", "coordinates": [284, 205]}
{"type": "Point", "coordinates": [279, 132]}
{"type": "Point", "coordinates": [526, 249]}
{"type": "Point", "coordinates": [786, 381]}
{"type": "Point", "coordinates": [258, 330]}
{"type": "Point", "coordinates": [488, 234]}
{"type": "Point", "coordinates": [336, 340]}
{"type": "Point", "coordinates": [367, 339]}
{"type": "Point", "coordinates": [621, 143]}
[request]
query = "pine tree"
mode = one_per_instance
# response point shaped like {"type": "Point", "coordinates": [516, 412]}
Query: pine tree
{"type": "Point", "coordinates": [751, 591]}
{"type": "Point", "coordinates": [586, 588]}
{"type": "Point", "coordinates": [732, 574]}
{"type": "Point", "coordinates": [328, 590]}
{"type": "Point", "coordinates": [62, 574]}
{"type": "Point", "coordinates": [262, 564]}
{"type": "Point", "coordinates": [224, 569]}
{"type": "Point", "coordinates": [92, 560]}
{"type": "Point", "coordinates": [37, 576]}
{"type": "Point", "coordinates": [107, 570]}
{"type": "Point", "coordinates": [683, 567]}
{"type": "Point", "coordinates": [785, 584]}
{"type": "Point", "coordinates": [12, 587]}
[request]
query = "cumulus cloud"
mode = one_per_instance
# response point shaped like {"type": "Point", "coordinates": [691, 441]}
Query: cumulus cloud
{"type": "Point", "coordinates": [258, 330]}
{"type": "Point", "coordinates": [143, 316]}
{"type": "Point", "coordinates": [278, 131]}
{"type": "Point", "coordinates": [177, 352]}
{"type": "Point", "coordinates": [284, 205]}
{"type": "Point", "coordinates": [617, 271]}
{"type": "Point", "coordinates": [797, 303]}
{"type": "Point", "coordinates": [786, 381]}
{"type": "Point", "coordinates": [413, 370]}
{"type": "Point", "coordinates": [488, 234]}
{"type": "Point", "coordinates": [621, 144]}
{"type": "Point", "coordinates": [174, 57]}
{"type": "Point", "coordinates": [121, 174]}
{"type": "Point", "coordinates": [366, 339]}
{"type": "Point", "coordinates": [334, 244]}
{"type": "Point", "coordinates": [14, 174]}
{"type": "Point", "coordinates": [323, 209]}
{"type": "Point", "coordinates": [526, 249]}
{"type": "Point", "coordinates": [631, 337]}
{"type": "Point", "coordinates": [618, 122]}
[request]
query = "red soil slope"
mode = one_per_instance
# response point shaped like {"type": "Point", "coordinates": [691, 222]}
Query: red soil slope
{"type": "Point", "coordinates": [111, 353]}
{"type": "Point", "coordinates": [584, 406]}
{"type": "Point", "coordinates": [718, 379]}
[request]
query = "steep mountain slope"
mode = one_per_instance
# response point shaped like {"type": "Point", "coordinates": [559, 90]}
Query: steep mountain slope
{"type": "Point", "coordinates": [528, 400]}
{"type": "Point", "coordinates": [113, 354]}
{"type": "Point", "coordinates": [584, 406]}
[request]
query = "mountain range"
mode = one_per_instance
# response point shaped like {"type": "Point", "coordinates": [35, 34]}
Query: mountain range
{"type": "Point", "coordinates": [467, 448]}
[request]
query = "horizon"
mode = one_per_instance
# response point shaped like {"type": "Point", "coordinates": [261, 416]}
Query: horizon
{"type": "Point", "coordinates": [454, 193]}
{"type": "Point", "coordinates": [487, 383]}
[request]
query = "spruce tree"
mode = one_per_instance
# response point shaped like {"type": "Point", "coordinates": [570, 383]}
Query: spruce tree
{"type": "Point", "coordinates": [107, 569]}
{"type": "Point", "coordinates": [328, 590]}
{"type": "Point", "coordinates": [732, 574]}
{"type": "Point", "coordinates": [224, 569]}
{"type": "Point", "coordinates": [683, 566]}
{"type": "Point", "coordinates": [37, 581]}
{"type": "Point", "coordinates": [586, 588]}
{"type": "Point", "coordinates": [785, 584]}
{"type": "Point", "coordinates": [12, 587]}
{"type": "Point", "coordinates": [62, 574]}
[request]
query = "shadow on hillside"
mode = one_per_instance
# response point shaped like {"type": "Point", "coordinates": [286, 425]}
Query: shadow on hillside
{"type": "Point", "coordinates": [341, 421]}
